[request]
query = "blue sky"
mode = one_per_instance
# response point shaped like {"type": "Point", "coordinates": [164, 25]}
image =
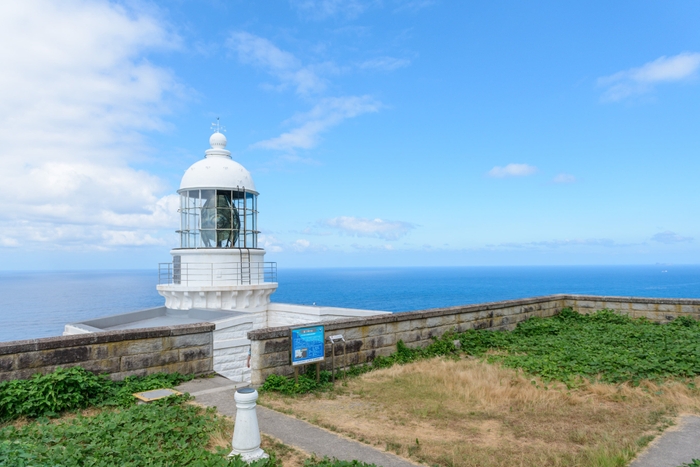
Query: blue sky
{"type": "Point", "coordinates": [378, 133]}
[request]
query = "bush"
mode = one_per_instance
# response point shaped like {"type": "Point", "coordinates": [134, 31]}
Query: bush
{"type": "Point", "coordinates": [72, 389]}
{"type": "Point", "coordinates": [161, 433]}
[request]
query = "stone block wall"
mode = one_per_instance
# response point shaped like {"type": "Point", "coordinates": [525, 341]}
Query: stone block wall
{"type": "Point", "coordinates": [377, 335]}
{"type": "Point", "coordinates": [185, 349]}
{"type": "Point", "coordinates": [660, 310]}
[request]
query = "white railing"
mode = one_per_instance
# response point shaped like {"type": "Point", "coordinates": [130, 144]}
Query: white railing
{"type": "Point", "coordinates": [210, 274]}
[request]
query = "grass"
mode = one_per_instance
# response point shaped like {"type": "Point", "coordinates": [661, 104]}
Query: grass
{"type": "Point", "coordinates": [74, 418]}
{"type": "Point", "coordinates": [166, 433]}
{"type": "Point", "coordinates": [588, 390]}
{"type": "Point", "coordinates": [467, 412]}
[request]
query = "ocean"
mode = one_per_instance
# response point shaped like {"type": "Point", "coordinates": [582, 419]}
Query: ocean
{"type": "Point", "coordinates": [38, 304]}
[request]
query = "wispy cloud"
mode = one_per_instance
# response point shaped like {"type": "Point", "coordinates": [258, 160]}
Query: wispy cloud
{"type": "Point", "coordinates": [385, 247]}
{"type": "Point", "coordinates": [306, 81]}
{"type": "Point", "coordinates": [564, 178]}
{"type": "Point", "coordinates": [551, 244]}
{"type": "Point", "coordinates": [377, 228]}
{"type": "Point", "coordinates": [323, 9]}
{"type": "Point", "coordinates": [634, 81]}
{"type": "Point", "coordinates": [77, 72]}
{"type": "Point", "coordinates": [512, 170]}
{"type": "Point", "coordinates": [669, 237]}
{"type": "Point", "coordinates": [384, 64]}
{"type": "Point", "coordinates": [278, 63]}
{"type": "Point", "coordinates": [328, 113]}
{"type": "Point", "coordinates": [270, 243]}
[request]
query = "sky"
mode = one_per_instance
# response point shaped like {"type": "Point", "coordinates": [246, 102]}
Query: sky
{"type": "Point", "coordinates": [378, 132]}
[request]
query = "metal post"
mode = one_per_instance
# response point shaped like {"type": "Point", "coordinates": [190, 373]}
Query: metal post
{"type": "Point", "coordinates": [318, 372]}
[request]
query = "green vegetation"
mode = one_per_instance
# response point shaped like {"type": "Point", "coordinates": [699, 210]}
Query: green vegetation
{"type": "Point", "coordinates": [693, 463]}
{"type": "Point", "coordinates": [604, 345]}
{"type": "Point", "coordinates": [74, 389]}
{"type": "Point", "coordinates": [156, 434]}
{"type": "Point", "coordinates": [116, 431]}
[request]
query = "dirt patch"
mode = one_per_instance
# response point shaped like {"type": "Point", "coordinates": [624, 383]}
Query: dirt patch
{"type": "Point", "coordinates": [469, 413]}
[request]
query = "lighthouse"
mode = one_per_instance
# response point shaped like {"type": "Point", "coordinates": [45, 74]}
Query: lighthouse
{"type": "Point", "coordinates": [218, 264]}
{"type": "Point", "coordinates": [218, 273]}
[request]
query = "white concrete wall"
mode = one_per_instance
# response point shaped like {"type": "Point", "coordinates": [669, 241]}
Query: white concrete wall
{"type": "Point", "coordinates": [231, 345]}
{"type": "Point", "coordinates": [286, 314]}
{"type": "Point", "coordinates": [220, 267]}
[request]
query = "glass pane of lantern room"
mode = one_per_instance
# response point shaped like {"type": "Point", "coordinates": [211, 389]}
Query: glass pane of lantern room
{"type": "Point", "coordinates": [207, 219]}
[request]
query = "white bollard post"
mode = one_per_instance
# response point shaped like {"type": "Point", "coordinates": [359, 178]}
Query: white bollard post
{"type": "Point", "coordinates": [246, 434]}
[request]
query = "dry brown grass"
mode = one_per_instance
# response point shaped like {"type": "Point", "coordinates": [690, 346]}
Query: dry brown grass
{"type": "Point", "coordinates": [469, 413]}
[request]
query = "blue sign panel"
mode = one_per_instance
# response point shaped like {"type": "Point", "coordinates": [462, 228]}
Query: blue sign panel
{"type": "Point", "coordinates": [308, 345]}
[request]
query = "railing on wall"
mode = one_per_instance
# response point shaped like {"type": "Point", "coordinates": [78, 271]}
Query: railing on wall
{"type": "Point", "coordinates": [203, 274]}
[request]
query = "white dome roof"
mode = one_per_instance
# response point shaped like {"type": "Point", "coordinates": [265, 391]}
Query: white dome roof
{"type": "Point", "coordinates": [217, 170]}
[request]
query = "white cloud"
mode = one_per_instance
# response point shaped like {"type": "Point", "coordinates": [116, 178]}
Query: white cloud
{"type": "Point", "coordinates": [75, 95]}
{"type": "Point", "coordinates": [512, 170]}
{"type": "Point", "coordinates": [269, 243]}
{"type": "Point", "coordinates": [322, 9]}
{"type": "Point", "coordinates": [564, 178]}
{"type": "Point", "coordinates": [378, 228]}
{"type": "Point", "coordinates": [130, 238]}
{"type": "Point", "coordinates": [328, 113]}
{"type": "Point", "coordinates": [385, 247]}
{"type": "Point", "coordinates": [640, 80]}
{"type": "Point", "coordinates": [283, 65]}
{"type": "Point", "coordinates": [550, 244]}
{"type": "Point", "coordinates": [307, 82]}
{"type": "Point", "coordinates": [669, 237]}
{"type": "Point", "coordinates": [384, 64]}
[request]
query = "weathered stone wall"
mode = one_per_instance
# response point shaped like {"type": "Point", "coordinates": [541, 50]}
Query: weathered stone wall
{"type": "Point", "coordinates": [660, 310]}
{"type": "Point", "coordinates": [368, 337]}
{"type": "Point", "coordinates": [185, 349]}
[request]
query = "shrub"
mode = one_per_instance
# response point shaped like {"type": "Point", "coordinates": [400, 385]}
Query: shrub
{"type": "Point", "coordinates": [72, 389]}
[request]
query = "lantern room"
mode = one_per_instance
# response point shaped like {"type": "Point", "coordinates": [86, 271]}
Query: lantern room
{"type": "Point", "coordinates": [218, 202]}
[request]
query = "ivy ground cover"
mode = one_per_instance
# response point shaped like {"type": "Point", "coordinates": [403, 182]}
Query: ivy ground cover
{"type": "Point", "coordinates": [604, 345]}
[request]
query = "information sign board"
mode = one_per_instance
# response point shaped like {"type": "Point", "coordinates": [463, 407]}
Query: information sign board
{"type": "Point", "coordinates": [308, 345]}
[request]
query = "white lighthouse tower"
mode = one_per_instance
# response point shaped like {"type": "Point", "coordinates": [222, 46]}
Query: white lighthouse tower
{"type": "Point", "coordinates": [218, 265]}
{"type": "Point", "coordinates": [218, 274]}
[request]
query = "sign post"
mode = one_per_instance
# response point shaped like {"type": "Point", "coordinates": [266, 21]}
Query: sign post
{"type": "Point", "coordinates": [308, 346]}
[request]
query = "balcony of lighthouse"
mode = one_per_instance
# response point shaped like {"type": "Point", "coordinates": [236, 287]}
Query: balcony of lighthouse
{"type": "Point", "coordinates": [217, 274]}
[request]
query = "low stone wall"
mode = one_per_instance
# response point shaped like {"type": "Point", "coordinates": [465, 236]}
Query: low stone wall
{"type": "Point", "coordinates": [368, 337]}
{"type": "Point", "coordinates": [185, 349]}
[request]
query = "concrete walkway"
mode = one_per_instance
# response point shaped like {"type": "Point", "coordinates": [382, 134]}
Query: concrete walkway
{"type": "Point", "coordinates": [218, 392]}
{"type": "Point", "coordinates": [679, 445]}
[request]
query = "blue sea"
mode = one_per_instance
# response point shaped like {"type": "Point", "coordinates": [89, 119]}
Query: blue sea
{"type": "Point", "coordinates": [38, 304]}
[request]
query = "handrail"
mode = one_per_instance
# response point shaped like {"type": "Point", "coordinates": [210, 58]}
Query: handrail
{"type": "Point", "coordinates": [211, 274]}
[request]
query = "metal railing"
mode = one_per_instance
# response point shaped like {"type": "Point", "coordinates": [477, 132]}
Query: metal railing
{"type": "Point", "coordinates": [210, 274]}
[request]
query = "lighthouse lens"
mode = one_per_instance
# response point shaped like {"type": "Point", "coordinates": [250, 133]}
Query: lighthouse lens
{"type": "Point", "coordinates": [218, 219]}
